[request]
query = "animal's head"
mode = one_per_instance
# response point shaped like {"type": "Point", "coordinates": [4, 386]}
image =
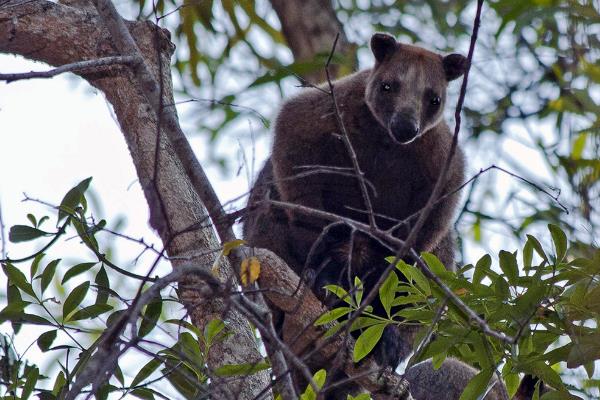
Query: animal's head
{"type": "Point", "coordinates": [406, 91]}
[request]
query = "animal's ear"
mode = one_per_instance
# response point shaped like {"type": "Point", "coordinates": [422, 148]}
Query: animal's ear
{"type": "Point", "coordinates": [382, 45]}
{"type": "Point", "coordinates": [454, 66]}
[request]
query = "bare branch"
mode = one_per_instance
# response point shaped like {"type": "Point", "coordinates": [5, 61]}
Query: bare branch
{"type": "Point", "coordinates": [360, 176]}
{"type": "Point", "coordinates": [80, 66]}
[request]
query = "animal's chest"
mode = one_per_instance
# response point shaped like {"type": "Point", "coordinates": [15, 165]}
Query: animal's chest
{"type": "Point", "coordinates": [396, 180]}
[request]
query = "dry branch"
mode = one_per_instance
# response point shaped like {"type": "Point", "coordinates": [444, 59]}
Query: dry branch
{"type": "Point", "coordinates": [74, 67]}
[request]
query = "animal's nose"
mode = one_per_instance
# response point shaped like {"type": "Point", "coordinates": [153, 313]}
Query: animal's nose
{"type": "Point", "coordinates": [404, 127]}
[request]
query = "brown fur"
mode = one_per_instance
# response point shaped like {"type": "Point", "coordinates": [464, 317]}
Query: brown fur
{"type": "Point", "coordinates": [381, 125]}
{"type": "Point", "coordinates": [445, 383]}
{"type": "Point", "coordinates": [528, 386]}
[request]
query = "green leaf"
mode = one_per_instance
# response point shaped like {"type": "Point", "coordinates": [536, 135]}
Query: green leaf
{"type": "Point", "coordinates": [73, 198]}
{"type": "Point", "coordinates": [146, 371]}
{"type": "Point", "coordinates": [150, 316]}
{"type": "Point", "coordinates": [24, 233]}
{"type": "Point", "coordinates": [364, 322]}
{"type": "Point", "coordinates": [59, 383]}
{"type": "Point", "coordinates": [481, 268]}
{"type": "Point", "coordinates": [143, 393]}
{"type": "Point", "coordinates": [335, 328]}
{"type": "Point", "coordinates": [76, 270]}
{"type": "Point", "coordinates": [103, 391]}
{"type": "Point", "coordinates": [42, 220]}
{"type": "Point", "coordinates": [241, 369]}
{"type": "Point", "coordinates": [75, 298]}
{"type": "Point", "coordinates": [367, 341]}
{"type": "Point", "coordinates": [35, 265]}
{"type": "Point", "coordinates": [83, 230]}
{"type": "Point", "coordinates": [434, 264]}
{"type": "Point", "coordinates": [48, 274]}
{"type": "Point", "coordinates": [23, 318]}
{"type": "Point", "coordinates": [500, 287]}
{"type": "Point", "coordinates": [319, 378]}
{"type": "Point", "coordinates": [185, 324]}
{"type": "Point", "coordinates": [387, 291]}
{"type": "Point", "coordinates": [114, 317]}
{"type": "Point", "coordinates": [212, 330]}
{"type": "Point", "coordinates": [590, 367]}
{"type": "Point", "coordinates": [339, 292]}
{"type": "Point", "coordinates": [32, 378]}
{"type": "Point", "coordinates": [527, 255]}
{"type": "Point", "coordinates": [538, 247]}
{"type": "Point", "coordinates": [15, 301]}
{"type": "Point", "coordinates": [332, 315]}
{"type": "Point", "coordinates": [508, 265]}
{"type": "Point", "coordinates": [548, 375]}
{"type": "Point", "coordinates": [361, 396]}
{"type": "Point", "coordinates": [411, 272]}
{"type": "Point", "coordinates": [584, 350]}
{"type": "Point", "coordinates": [90, 312]}
{"type": "Point", "coordinates": [358, 290]}
{"type": "Point", "coordinates": [32, 219]}
{"type": "Point", "coordinates": [15, 304]}
{"type": "Point", "coordinates": [555, 395]}
{"type": "Point", "coordinates": [512, 381]}
{"type": "Point", "coordinates": [17, 278]}
{"type": "Point", "coordinates": [560, 242]}
{"type": "Point", "coordinates": [102, 284]}
{"type": "Point", "coordinates": [477, 386]}
{"type": "Point", "coordinates": [46, 339]}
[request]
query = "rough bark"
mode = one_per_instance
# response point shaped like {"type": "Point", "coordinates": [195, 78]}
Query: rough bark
{"type": "Point", "coordinates": [59, 34]}
{"type": "Point", "coordinates": [310, 27]}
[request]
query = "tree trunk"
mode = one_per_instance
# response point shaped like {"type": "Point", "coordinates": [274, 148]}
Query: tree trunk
{"type": "Point", "coordinates": [310, 27]}
{"type": "Point", "coordinates": [59, 34]}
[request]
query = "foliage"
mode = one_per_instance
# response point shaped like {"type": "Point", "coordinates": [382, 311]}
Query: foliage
{"type": "Point", "coordinates": [72, 305]}
{"type": "Point", "coordinates": [547, 300]}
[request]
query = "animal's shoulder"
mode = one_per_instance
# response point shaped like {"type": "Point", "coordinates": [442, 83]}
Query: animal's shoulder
{"type": "Point", "coordinates": [311, 113]}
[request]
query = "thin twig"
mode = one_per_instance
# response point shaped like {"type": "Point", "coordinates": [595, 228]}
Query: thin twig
{"type": "Point", "coordinates": [254, 111]}
{"type": "Point", "coordinates": [73, 67]}
{"type": "Point", "coordinates": [346, 139]}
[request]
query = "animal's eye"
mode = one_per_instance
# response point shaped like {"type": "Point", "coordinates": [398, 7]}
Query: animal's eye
{"type": "Point", "coordinates": [386, 87]}
{"type": "Point", "coordinates": [435, 101]}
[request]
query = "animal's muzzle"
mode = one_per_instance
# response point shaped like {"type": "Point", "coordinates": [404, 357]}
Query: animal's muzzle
{"type": "Point", "coordinates": [404, 128]}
